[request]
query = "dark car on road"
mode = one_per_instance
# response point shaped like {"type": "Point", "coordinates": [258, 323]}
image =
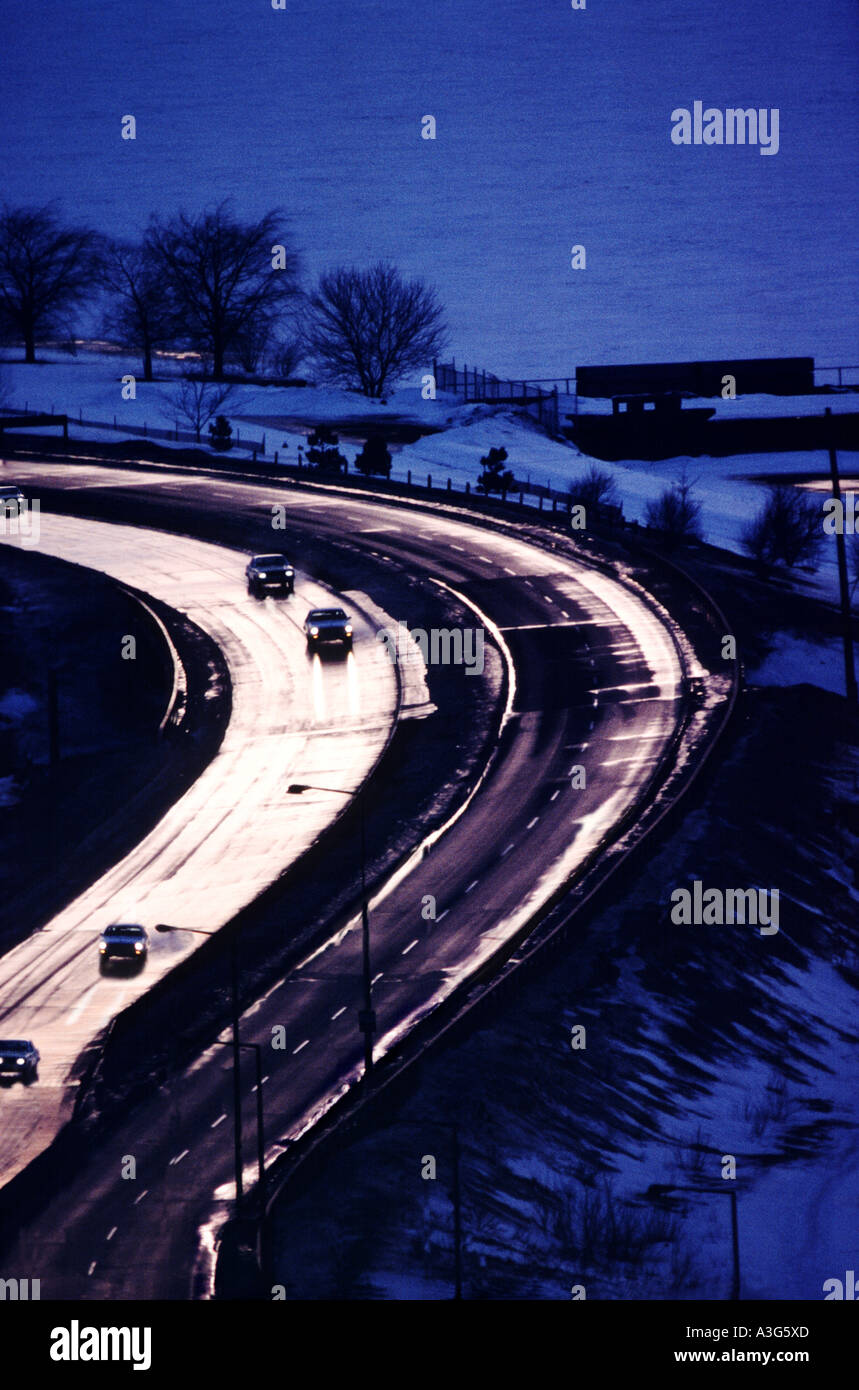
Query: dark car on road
{"type": "Point", "coordinates": [328, 625]}
{"type": "Point", "coordinates": [270, 574]}
{"type": "Point", "coordinates": [123, 943]}
{"type": "Point", "coordinates": [19, 1060]}
{"type": "Point", "coordinates": [12, 501]}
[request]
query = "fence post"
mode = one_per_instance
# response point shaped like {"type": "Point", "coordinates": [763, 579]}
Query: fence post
{"type": "Point", "coordinates": [144, 429]}
{"type": "Point", "coordinates": [275, 457]}
{"type": "Point", "coordinates": [262, 446]}
{"type": "Point", "coordinates": [448, 484]}
{"type": "Point", "coordinates": [467, 488]}
{"type": "Point", "coordinates": [114, 422]}
{"type": "Point", "coordinates": [465, 381]}
{"type": "Point", "coordinates": [429, 480]}
{"type": "Point", "coordinates": [409, 478]}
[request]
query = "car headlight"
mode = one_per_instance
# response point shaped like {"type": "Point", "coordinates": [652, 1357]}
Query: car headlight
{"type": "Point", "coordinates": [102, 947]}
{"type": "Point", "coordinates": [138, 946]}
{"type": "Point", "coordinates": [262, 575]}
{"type": "Point", "coordinates": [314, 632]}
{"type": "Point", "coordinates": [348, 629]}
{"type": "Point", "coordinates": [19, 1061]}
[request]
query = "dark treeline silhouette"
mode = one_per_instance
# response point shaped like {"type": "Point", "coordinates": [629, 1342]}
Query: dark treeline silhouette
{"type": "Point", "coordinates": [214, 284]}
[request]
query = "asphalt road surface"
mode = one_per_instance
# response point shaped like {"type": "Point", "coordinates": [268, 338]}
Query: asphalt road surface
{"type": "Point", "coordinates": [597, 685]}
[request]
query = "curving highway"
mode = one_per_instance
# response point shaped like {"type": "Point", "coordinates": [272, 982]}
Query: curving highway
{"type": "Point", "coordinates": [596, 685]}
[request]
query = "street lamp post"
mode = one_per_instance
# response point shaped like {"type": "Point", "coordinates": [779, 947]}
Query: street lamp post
{"type": "Point", "coordinates": [366, 1015]}
{"type": "Point", "coordinates": [256, 1048]}
{"type": "Point", "coordinates": [237, 1087]}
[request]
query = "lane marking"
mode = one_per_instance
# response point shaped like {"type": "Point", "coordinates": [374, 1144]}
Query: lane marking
{"type": "Point", "coordinates": [179, 1157]}
{"type": "Point", "coordinates": [300, 1046]}
{"type": "Point", "coordinates": [472, 885]}
{"type": "Point", "coordinates": [219, 1121]}
{"type": "Point", "coordinates": [509, 570]}
{"type": "Point", "coordinates": [512, 845]}
{"type": "Point", "coordinates": [549, 600]}
{"type": "Point", "coordinates": [338, 1013]}
{"type": "Point", "coordinates": [142, 1195]}
{"type": "Point", "coordinates": [554, 794]}
{"type": "Point", "coordinates": [532, 823]}
{"type": "Point", "coordinates": [457, 547]}
{"type": "Point", "coordinates": [111, 1233]}
{"type": "Point", "coordinates": [442, 914]}
{"type": "Point", "coordinates": [377, 977]}
{"type": "Point", "coordinates": [91, 1268]}
{"type": "Point", "coordinates": [410, 946]}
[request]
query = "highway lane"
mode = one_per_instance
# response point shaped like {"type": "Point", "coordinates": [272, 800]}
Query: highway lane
{"type": "Point", "coordinates": [228, 837]}
{"type": "Point", "coordinates": [597, 686]}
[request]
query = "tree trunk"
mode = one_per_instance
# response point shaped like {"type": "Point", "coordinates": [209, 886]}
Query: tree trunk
{"type": "Point", "coordinates": [217, 361]}
{"type": "Point", "coordinates": [147, 362]}
{"type": "Point", "coordinates": [29, 346]}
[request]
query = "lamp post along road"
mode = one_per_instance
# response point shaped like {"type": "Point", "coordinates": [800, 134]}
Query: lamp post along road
{"type": "Point", "coordinates": [235, 1044]}
{"type": "Point", "coordinates": [366, 1015]}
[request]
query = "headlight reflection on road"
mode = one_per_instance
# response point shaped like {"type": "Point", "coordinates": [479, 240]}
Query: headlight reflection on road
{"type": "Point", "coordinates": [353, 684]}
{"type": "Point", "coordinates": [319, 709]}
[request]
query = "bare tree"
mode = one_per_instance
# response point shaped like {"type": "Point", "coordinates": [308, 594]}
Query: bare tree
{"type": "Point", "coordinates": [367, 328]}
{"type": "Point", "coordinates": [225, 277]}
{"type": "Point", "coordinates": [139, 313]}
{"type": "Point", "coordinates": [676, 514]}
{"type": "Point", "coordinates": [285, 357]}
{"type": "Point", "coordinates": [196, 401]}
{"type": "Point", "coordinates": [596, 488]}
{"type": "Point", "coordinates": [46, 270]}
{"type": "Point", "coordinates": [788, 528]}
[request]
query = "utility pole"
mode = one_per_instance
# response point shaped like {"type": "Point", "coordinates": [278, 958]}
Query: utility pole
{"type": "Point", "coordinates": [367, 1016]}
{"type": "Point", "coordinates": [237, 1081]}
{"type": "Point", "coordinates": [457, 1220]}
{"type": "Point", "coordinates": [841, 552]}
{"type": "Point", "coordinates": [735, 1242]}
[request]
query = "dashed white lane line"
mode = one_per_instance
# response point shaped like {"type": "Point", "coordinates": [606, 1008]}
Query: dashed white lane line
{"type": "Point", "coordinates": [457, 547]}
{"type": "Point", "coordinates": [142, 1195]}
{"type": "Point", "coordinates": [179, 1157]}
{"type": "Point", "coordinates": [111, 1233]}
{"type": "Point", "coordinates": [75, 1013]}
{"type": "Point", "coordinates": [532, 823]}
{"type": "Point", "coordinates": [442, 914]}
{"type": "Point", "coordinates": [554, 794]}
{"type": "Point", "coordinates": [338, 1013]}
{"type": "Point", "coordinates": [300, 1046]}
{"type": "Point", "coordinates": [91, 1268]}
{"type": "Point", "coordinates": [528, 582]}
{"type": "Point", "coordinates": [549, 600]}
{"type": "Point", "coordinates": [377, 977]}
{"type": "Point", "coordinates": [486, 560]}
{"type": "Point", "coordinates": [410, 946]}
{"type": "Point", "coordinates": [564, 613]}
{"type": "Point", "coordinates": [512, 845]}
{"type": "Point", "coordinates": [218, 1121]}
{"type": "Point", "coordinates": [472, 885]}
{"type": "Point", "coordinates": [509, 570]}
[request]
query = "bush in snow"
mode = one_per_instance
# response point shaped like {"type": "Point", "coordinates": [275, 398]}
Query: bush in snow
{"type": "Point", "coordinates": [495, 477]}
{"type": "Point", "coordinates": [786, 530]}
{"type": "Point", "coordinates": [221, 433]}
{"type": "Point", "coordinates": [596, 488]}
{"type": "Point", "coordinates": [375, 458]}
{"type": "Point", "coordinates": [676, 514]}
{"type": "Point", "coordinates": [323, 453]}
